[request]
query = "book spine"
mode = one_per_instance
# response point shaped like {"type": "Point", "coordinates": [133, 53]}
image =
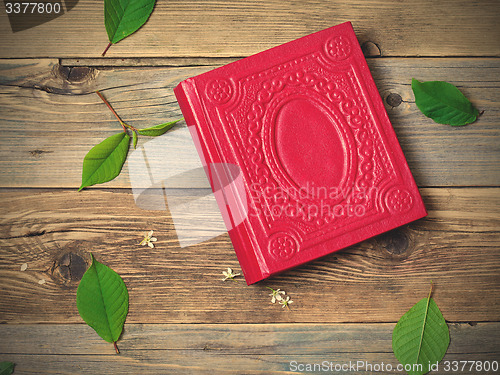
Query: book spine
{"type": "Point", "coordinates": [254, 269]}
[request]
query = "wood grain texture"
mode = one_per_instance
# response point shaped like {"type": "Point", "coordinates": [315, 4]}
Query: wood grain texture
{"type": "Point", "coordinates": [236, 339]}
{"type": "Point", "coordinates": [456, 246]}
{"type": "Point", "coordinates": [239, 28]}
{"type": "Point", "coordinates": [346, 304]}
{"type": "Point", "coordinates": [224, 348]}
{"type": "Point", "coordinates": [50, 118]}
{"type": "Point", "coordinates": [202, 362]}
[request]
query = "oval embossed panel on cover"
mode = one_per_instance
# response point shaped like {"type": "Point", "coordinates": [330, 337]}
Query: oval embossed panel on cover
{"type": "Point", "coordinates": [303, 128]}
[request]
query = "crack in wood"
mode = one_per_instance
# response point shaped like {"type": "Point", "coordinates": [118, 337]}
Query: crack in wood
{"type": "Point", "coordinates": [35, 234]}
{"type": "Point", "coordinates": [48, 89]}
{"type": "Point", "coordinates": [39, 153]}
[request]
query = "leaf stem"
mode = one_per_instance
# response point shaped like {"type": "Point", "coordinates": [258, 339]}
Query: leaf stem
{"type": "Point", "coordinates": [116, 347]}
{"type": "Point", "coordinates": [430, 291]}
{"type": "Point", "coordinates": [112, 110]}
{"type": "Point", "coordinates": [130, 127]}
{"type": "Point", "coordinates": [107, 47]}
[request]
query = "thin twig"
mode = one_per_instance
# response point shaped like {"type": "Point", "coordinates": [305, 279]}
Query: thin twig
{"type": "Point", "coordinates": [112, 110]}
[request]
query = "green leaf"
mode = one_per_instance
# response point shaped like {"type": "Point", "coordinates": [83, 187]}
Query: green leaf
{"type": "Point", "coordinates": [105, 160]}
{"type": "Point", "coordinates": [124, 17]}
{"type": "Point", "coordinates": [421, 337]}
{"type": "Point", "coordinates": [443, 102]}
{"type": "Point", "coordinates": [6, 368]}
{"type": "Point", "coordinates": [102, 301]}
{"type": "Point", "coordinates": [157, 130]}
{"type": "Point", "coordinates": [134, 136]}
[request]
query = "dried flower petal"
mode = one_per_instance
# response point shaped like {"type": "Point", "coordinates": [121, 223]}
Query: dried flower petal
{"type": "Point", "coordinates": [24, 266]}
{"type": "Point", "coordinates": [148, 239]}
{"type": "Point", "coordinates": [276, 294]}
{"type": "Point", "coordinates": [286, 302]}
{"type": "Point", "coordinates": [229, 274]}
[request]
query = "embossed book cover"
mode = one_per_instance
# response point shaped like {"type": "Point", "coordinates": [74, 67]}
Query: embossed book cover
{"type": "Point", "coordinates": [303, 128]}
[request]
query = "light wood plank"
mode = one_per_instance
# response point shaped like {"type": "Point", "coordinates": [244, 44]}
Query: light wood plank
{"type": "Point", "coordinates": [456, 246]}
{"type": "Point", "coordinates": [239, 28]}
{"type": "Point", "coordinates": [49, 122]}
{"type": "Point", "coordinates": [241, 348]}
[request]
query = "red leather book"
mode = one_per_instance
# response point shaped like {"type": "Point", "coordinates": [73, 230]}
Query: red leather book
{"type": "Point", "coordinates": [303, 130]}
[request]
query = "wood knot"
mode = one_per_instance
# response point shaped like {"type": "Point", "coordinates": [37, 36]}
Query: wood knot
{"type": "Point", "coordinates": [371, 49]}
{"type": "Point", "coordinates": [396, 241]}
{"type": "Point", "coordinates": [75, 75]}
{"type": "Point", "coordinates": [62, 71]}
{"type": "Point", "coordinates": [80, 74]}
{"type": "Point", "coordinates": [394, 99]}
{"type": "Point", "coordinates": [71, 267]}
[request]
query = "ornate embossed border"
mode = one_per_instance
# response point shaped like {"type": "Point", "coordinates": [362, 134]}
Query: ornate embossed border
{"type": "Point", "coordinates": [247, 109]}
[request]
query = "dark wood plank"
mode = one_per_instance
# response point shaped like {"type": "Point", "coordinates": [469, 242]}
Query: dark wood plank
{"type": "Point", "coordinates": [45, 145]}
{"type": "Point", "coordinates": [189, 363]}
{"type": "Point", "coordinates": [234, 339]}
{"type": "Point", "coordinates": [146, 61]}
{"type": "Point", "coordinates": [226, 348]}
{"type": "Point", "coordinates": [53, 231]}
{"type": "Point", "coordinates": [241, 27]}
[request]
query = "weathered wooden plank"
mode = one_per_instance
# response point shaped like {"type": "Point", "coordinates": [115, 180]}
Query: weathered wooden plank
{"type": "Point", "coordinates": [210, 362]}
{"type": "Point", "coordinates": [456, 246]}
{"type": "Point", "coordinates": [227, 348]}
{"type": "Point", "coordinates": [50, 118]}
{"type": "Point", "coordinates": [236, 339]}
{"type": "Point", "coordinates": [240, 28]}
{"type": "Point", "coordinates": [147, 61]}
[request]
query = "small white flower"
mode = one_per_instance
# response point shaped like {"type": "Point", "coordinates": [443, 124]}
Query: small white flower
{"type": "Point", "coordinates": [24, 266]}
{"type": "Point", "coordinates": [286, 302]}
{"type": "Point", "coordinates": [276, 295]}
{"type": "Point", "coordinates": [229, 274]}
{"type": "Point", "coordinates": [149, 239]}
